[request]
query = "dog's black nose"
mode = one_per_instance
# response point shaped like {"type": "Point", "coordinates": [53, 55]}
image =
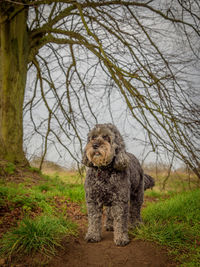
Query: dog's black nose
{"type": "Point", "coordinates": [95, 146]}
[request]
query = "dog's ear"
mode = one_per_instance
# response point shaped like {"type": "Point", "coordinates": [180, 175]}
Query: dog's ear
{"type": "Point", "coordinates": [121, 160]}
{"type": "Point", "coordinates": [85, 161]}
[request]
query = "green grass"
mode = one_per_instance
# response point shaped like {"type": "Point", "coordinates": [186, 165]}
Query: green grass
{"type": "Point", "coordinates": [56, 186]}
{"type": "Point", "coordinates": [47, 201]}
{"type": "Point", "coordinates": [42, 234]}
{"type": "Point", "coordinates": [10, 168]}
{"type": "Point", "coordinates": [75, 193]}
{"type": "Point", "coordinates": [175, 223]}
{"type": "Point", "coordinates": [19, 195]}
{"type": "Point", "coordinates": [34, 169]}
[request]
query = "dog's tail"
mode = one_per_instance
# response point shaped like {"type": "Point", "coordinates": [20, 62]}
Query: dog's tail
{"type": "Point", "coordinates": [148, 181]}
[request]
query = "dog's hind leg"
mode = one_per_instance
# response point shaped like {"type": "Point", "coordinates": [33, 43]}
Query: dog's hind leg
{"type": "Point", "coordinates": [136, 200]}
{"type": "Point", "coordinates": [108, 219]}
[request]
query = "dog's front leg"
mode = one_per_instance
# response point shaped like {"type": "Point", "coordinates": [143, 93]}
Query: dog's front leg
{"type": "Point", "coordinates": [94, 222]}
{"type": "Point", "coordinates": [120, 216]}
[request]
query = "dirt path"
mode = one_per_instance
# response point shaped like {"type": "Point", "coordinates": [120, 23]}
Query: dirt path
{"type": "Point", "coordinates": [78, 253]}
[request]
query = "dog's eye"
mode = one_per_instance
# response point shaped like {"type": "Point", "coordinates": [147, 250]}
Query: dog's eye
{"type": "Point", "coordinates": [107, 138]}
{"type": "Point", "coordinates": [93, 137]}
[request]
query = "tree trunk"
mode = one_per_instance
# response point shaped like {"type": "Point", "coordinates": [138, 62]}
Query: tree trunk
{"type": "Point", "coordinates": [14, 49]}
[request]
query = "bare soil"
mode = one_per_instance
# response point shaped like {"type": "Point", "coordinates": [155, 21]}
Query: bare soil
{"type": "Point", "coordinates": [78, 253]}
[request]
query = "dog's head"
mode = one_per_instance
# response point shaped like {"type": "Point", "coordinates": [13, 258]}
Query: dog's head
{"type": "Point", "coordinates": [105, 145]}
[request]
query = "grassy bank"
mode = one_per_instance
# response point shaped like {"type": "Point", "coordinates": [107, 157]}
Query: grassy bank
{"type": "Point", "coordinates": [35, 216]}
{"type": "Point", "coordinates": [175, 223]}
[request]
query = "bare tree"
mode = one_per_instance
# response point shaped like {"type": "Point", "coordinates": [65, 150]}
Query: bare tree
{"type": "Point", "coordinates": [81, 56]}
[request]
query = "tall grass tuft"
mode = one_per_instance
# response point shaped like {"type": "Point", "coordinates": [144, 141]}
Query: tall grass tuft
{"type": "Point", "coordinates": [42, 234]}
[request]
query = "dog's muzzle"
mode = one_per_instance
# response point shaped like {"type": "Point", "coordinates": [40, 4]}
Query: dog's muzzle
{"type": "Point", "coordinates": [95, 145]}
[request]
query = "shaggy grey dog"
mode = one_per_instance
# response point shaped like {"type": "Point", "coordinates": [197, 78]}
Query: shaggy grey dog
{"type": "Point", "coordinates": [114, 179]}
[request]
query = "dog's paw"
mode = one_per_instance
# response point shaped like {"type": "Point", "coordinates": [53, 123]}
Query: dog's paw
{"type": "Point", "coordinates": [123, 241]}
{"type": "Point", "coordinates": [135, 223]}
{"type": "Point", "coordinates": [92, 238]}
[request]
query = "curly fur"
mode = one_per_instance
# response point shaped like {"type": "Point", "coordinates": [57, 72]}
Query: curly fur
{"type": "Point", "coordinates": [114, 179]}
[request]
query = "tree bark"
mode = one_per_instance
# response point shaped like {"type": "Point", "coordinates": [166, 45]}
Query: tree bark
{"type": "Point", "coordinates": [14, 50]}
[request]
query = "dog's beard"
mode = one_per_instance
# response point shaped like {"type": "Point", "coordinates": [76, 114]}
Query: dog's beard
{"type": "Point", "coordinates": [101, 156]}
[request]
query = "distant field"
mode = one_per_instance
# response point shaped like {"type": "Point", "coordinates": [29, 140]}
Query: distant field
{"type": "Point", "coordinates": [174, 181]}
{"type": "Point", "coordinates": [70, 177]}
